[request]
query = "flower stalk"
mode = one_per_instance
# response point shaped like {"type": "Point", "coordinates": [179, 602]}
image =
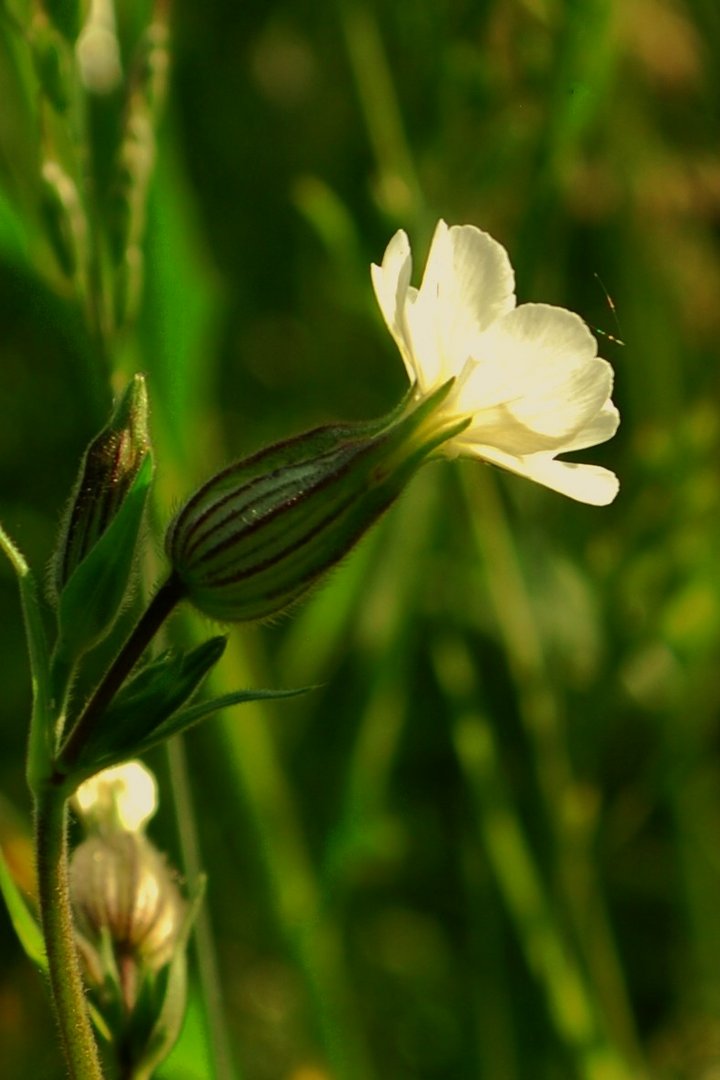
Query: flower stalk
{"type": "Point", "coordinates": [68, 993]}
{"type": "Point", "coordinates": [165, 599]}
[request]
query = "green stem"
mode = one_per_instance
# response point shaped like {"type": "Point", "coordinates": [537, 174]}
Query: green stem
{"type": "Point", "coordinates": [68, 993]}
{"type": "Point", "coordinates": [165, 599]}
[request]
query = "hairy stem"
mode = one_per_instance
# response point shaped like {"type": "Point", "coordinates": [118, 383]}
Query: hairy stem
{"type": "Point", "coordinates": [68, 993]}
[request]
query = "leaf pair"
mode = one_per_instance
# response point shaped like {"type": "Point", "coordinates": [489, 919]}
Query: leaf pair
{"type": "Point", "coordinates": [153, 706]}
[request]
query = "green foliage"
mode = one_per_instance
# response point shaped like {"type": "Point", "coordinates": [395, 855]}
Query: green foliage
{"type": "Point", "coordinates": [143, 705]}
{"type": "Point", "coordinates": [148, 709]}
{"type": "Point", "coordinates": [193, 714]}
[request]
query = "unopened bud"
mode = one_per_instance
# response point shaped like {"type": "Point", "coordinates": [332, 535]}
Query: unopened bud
{"type": "Point", "coordinates": [94, 561]}
{"type": "Point", "coordinates": [109, 467]}
{"type": "Point", "coordinates": [258, 535]}
{"type": "Point", "coordinates": [123, 894]}
{"type": "Point", "coordinates": [131, 922]}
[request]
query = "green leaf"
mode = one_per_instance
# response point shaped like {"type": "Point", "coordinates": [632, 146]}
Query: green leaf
{"type": "Point", "coordinates": [145, 703]}
{"type": "Point", "coordinates": [94, 594]}
{"type": "Point", "coordinates": [40, 747]}
{"type": "Point", "coordinates": [195, 713]}
{"type": "Point", "coordinates": [25, 926]}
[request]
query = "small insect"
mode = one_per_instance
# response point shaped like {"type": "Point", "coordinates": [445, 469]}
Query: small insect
{"type": "Point", "coordinates": [611, 305]}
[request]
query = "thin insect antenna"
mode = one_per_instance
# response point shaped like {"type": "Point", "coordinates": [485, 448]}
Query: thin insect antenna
{"type": "Point", "coordinates": [611, 305]}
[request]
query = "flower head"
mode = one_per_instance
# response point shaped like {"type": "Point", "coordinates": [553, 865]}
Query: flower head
{"type": "Point", "coordinates": [527, 379]}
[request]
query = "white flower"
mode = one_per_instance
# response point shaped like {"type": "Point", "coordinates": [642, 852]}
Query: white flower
{"type": "Point", "coordinates": [528, 378]}
{"type": "Point", "coordinates": [123, 797]}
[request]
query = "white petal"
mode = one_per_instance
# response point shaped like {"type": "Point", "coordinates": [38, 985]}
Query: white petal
{"type": "Point", "coordinates": [468, 283]}
{"type": "Point", "coordinates": [601, 428]}
{"type": "Point", "coordinates": [540, 363]}
{"type": "Point", "coordinates": [481, 286]}
{"type": "Point", "coordinates": [423, 316]}
{"type": "Point", "coordinates": [391, 282]}
{"type": "Point", "coordinates": [501, 428]}
{"type": "Point", "coordinates": [586, 483]}
{"type": "Point", "coordinates": [565, 406]}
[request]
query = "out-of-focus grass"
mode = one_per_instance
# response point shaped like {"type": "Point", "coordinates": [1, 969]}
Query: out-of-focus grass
{"type": "Point", "coordinates": [486, 845]}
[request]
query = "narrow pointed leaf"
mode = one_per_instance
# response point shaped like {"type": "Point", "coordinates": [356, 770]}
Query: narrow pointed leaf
{"type": "Point", "coordinates": [23, 921]}
{"type": "Point", "coordinates": [145, 703]}
{"type": "Point", "coordinates": [186, 718]}
{"type": "Point", "coordinates": [40, 748]}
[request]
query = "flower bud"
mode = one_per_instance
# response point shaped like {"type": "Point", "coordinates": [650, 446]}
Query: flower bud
{"type": "Point", "coordinates": [122, 884]}
{"type": "Point", "coordinates": [108, 469]}
{"type": "Point", "coordinates": [94, 560]}
{"type": "Point", "coordinates": [131, 923]}
{"type": "Point", "coordinates": [257, 536]}
{"type": "Point", "coordinates": [123, 895]}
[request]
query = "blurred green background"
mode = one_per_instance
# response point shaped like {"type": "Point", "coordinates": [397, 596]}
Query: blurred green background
{"type": "Point", "coordinates": [488, 844]}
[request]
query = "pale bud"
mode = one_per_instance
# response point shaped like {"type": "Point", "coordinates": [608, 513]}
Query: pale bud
{"type": "Point", "coordinates": [123, 894]}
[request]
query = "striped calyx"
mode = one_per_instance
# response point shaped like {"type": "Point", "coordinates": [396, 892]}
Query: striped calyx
{"type": "Point", "coordinates": [260, 533]}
